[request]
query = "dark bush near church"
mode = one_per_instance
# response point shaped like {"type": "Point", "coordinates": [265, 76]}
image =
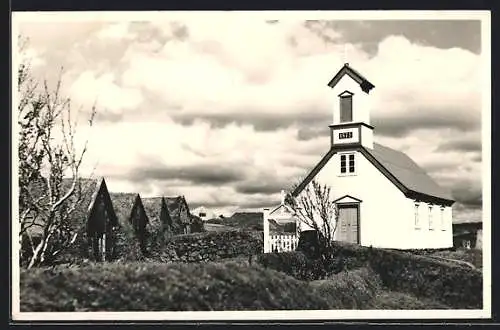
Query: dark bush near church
{"type": "Point", "coordinates": [332, 258]}
{"type": "Point", "coordinates": [294, 263]}
{"type": "Point", "coordinates": [309, 243]}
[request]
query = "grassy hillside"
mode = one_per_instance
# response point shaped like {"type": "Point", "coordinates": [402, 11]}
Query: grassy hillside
{"type": "Point", "coordinates": [165, 287]}
{"type": "Point", "coordinates": [448, 283]}
{"type": "Point", "coordinates": [228, 285]}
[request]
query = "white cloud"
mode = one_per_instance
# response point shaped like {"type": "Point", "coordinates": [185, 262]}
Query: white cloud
{"type": "Point", "coordinates": [423, 78]}
{"type": "Point", "coordinates": [89, 88]}
{"type": "Point", "coordinates": [114, 31]}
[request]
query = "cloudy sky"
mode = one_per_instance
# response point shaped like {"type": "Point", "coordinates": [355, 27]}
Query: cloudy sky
{"type": "Point", "coordinates": [230, 111]}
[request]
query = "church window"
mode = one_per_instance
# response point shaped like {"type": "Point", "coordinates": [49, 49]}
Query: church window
{"type": "Point", "coordinates": [431, 220]}
{"type": "Point", "coordinates": [443, 222]}
{"type": "Point", "coordinates": [417, 222]}
{"type": "Point", "coordinates": [347, 164]}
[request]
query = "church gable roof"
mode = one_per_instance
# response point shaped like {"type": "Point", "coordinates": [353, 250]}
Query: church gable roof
{"type": "Point", "coordinates": [366, 86]}
{"type": "Point", "coordinates": [406, 171]}
{"type": "Point", "coordinates": [400, 169]}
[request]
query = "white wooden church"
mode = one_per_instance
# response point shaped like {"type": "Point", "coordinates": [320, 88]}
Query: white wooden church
{"type": "Point", "coordinates": [384, 199]}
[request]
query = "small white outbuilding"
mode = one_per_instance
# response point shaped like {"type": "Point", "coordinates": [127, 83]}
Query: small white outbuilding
{"type": "Point", "coordinates": [384, 198]}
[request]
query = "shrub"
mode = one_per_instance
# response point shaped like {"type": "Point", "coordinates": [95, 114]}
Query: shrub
{"type": "Point", "coordinates": [162, 287]}
{"type": "Point", "coordinates": [309, 243]}
{"type": "Point", "coordinates": [334, 258]}
{"type": "Point", "coordinates": [293, 263]}
{"type": "Point", "coordinates": [350, 289]}
{"type": "Point", "coordinates": [197, 224]}
{"type": "Point", "coordinates": [127, 246]}
{"type": "Point", "coordinates": [444, 282]}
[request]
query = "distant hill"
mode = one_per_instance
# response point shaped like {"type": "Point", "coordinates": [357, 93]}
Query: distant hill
{"type": "Point", "coordinates": [241, 220]}
{"type": "Point", "coordinates": [217, 227]}
{"type": "Point", "coordinates": [247, 221]}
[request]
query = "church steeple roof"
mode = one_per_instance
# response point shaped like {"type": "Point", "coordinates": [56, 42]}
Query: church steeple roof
{"type": "Point", "coordinates": [366, 86]}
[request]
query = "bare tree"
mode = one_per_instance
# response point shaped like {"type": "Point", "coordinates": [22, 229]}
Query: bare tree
{"type": "Point", "coordinates": [46, 199]}
{"type": "Point", "coordinates": [315, 208]}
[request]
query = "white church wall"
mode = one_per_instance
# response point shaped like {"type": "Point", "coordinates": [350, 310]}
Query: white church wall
{"type": "Point", "coordinates": [367, 137]}
{"type": "Point", "coordinates": [425, 236]}
{"type": "Point", "coordinates": [383, 211]}
{"type": "Point", "coordinates": [387, 217]}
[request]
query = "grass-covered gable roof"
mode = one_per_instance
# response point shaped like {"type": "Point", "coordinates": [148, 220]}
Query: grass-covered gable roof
{"type": "Point", "coordinates": [123, 204]}
{"type": "Point", "coordinates": [86, 189]}
{"type": "Point", "coordinates": [156, 211]}
{"type": "Point", "coordinates": [178, 209]}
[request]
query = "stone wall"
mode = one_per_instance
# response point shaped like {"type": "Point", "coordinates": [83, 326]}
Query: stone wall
{"type": "Point", "coordinates": [210, 246]}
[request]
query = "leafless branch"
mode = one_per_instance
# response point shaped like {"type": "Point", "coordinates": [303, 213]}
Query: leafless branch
{"type": "Point", "coordinates": [46, 202]}
{"type": "Point", "coordinates": [316, 209]}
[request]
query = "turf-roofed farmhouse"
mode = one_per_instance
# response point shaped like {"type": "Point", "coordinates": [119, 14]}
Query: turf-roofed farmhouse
{"type": "Point", "coordinates": [107, 223]}
{"type": "Point", "coordinates": [171, 215]}
{"type": "Point", "coordinates": [93, 220]}
{"type": "Point", "coordinates": [384, 199]}
{"type": "Point", "coordinates": [132, 217]}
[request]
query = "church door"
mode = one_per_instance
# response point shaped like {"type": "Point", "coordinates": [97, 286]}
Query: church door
{"type": "Point", "coordinates": [348, 227]}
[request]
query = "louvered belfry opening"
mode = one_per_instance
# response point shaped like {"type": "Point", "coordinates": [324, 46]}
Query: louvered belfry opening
{"type": "Point", "coordinates": [346, 108]}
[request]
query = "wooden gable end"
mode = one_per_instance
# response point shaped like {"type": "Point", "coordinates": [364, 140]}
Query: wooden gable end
{"type": "Point", "coordinates": [184, 212]}
{"type": "Point", "coordinates": [101, 216]}
{"type": "Point", "coordinates": [138, 217]}
{"type": "Point", "coordinates": [165, 217]}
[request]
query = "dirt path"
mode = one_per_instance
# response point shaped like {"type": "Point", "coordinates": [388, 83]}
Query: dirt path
{"type": "Point", "coordinates": [462, 262]}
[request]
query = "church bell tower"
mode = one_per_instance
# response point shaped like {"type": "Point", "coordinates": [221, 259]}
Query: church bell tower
{"type": "Point", "coordinates": [351, 110]}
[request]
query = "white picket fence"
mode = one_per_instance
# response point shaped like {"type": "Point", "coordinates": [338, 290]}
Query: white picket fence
{"type": "Point", "coordinates": [283, 243]}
